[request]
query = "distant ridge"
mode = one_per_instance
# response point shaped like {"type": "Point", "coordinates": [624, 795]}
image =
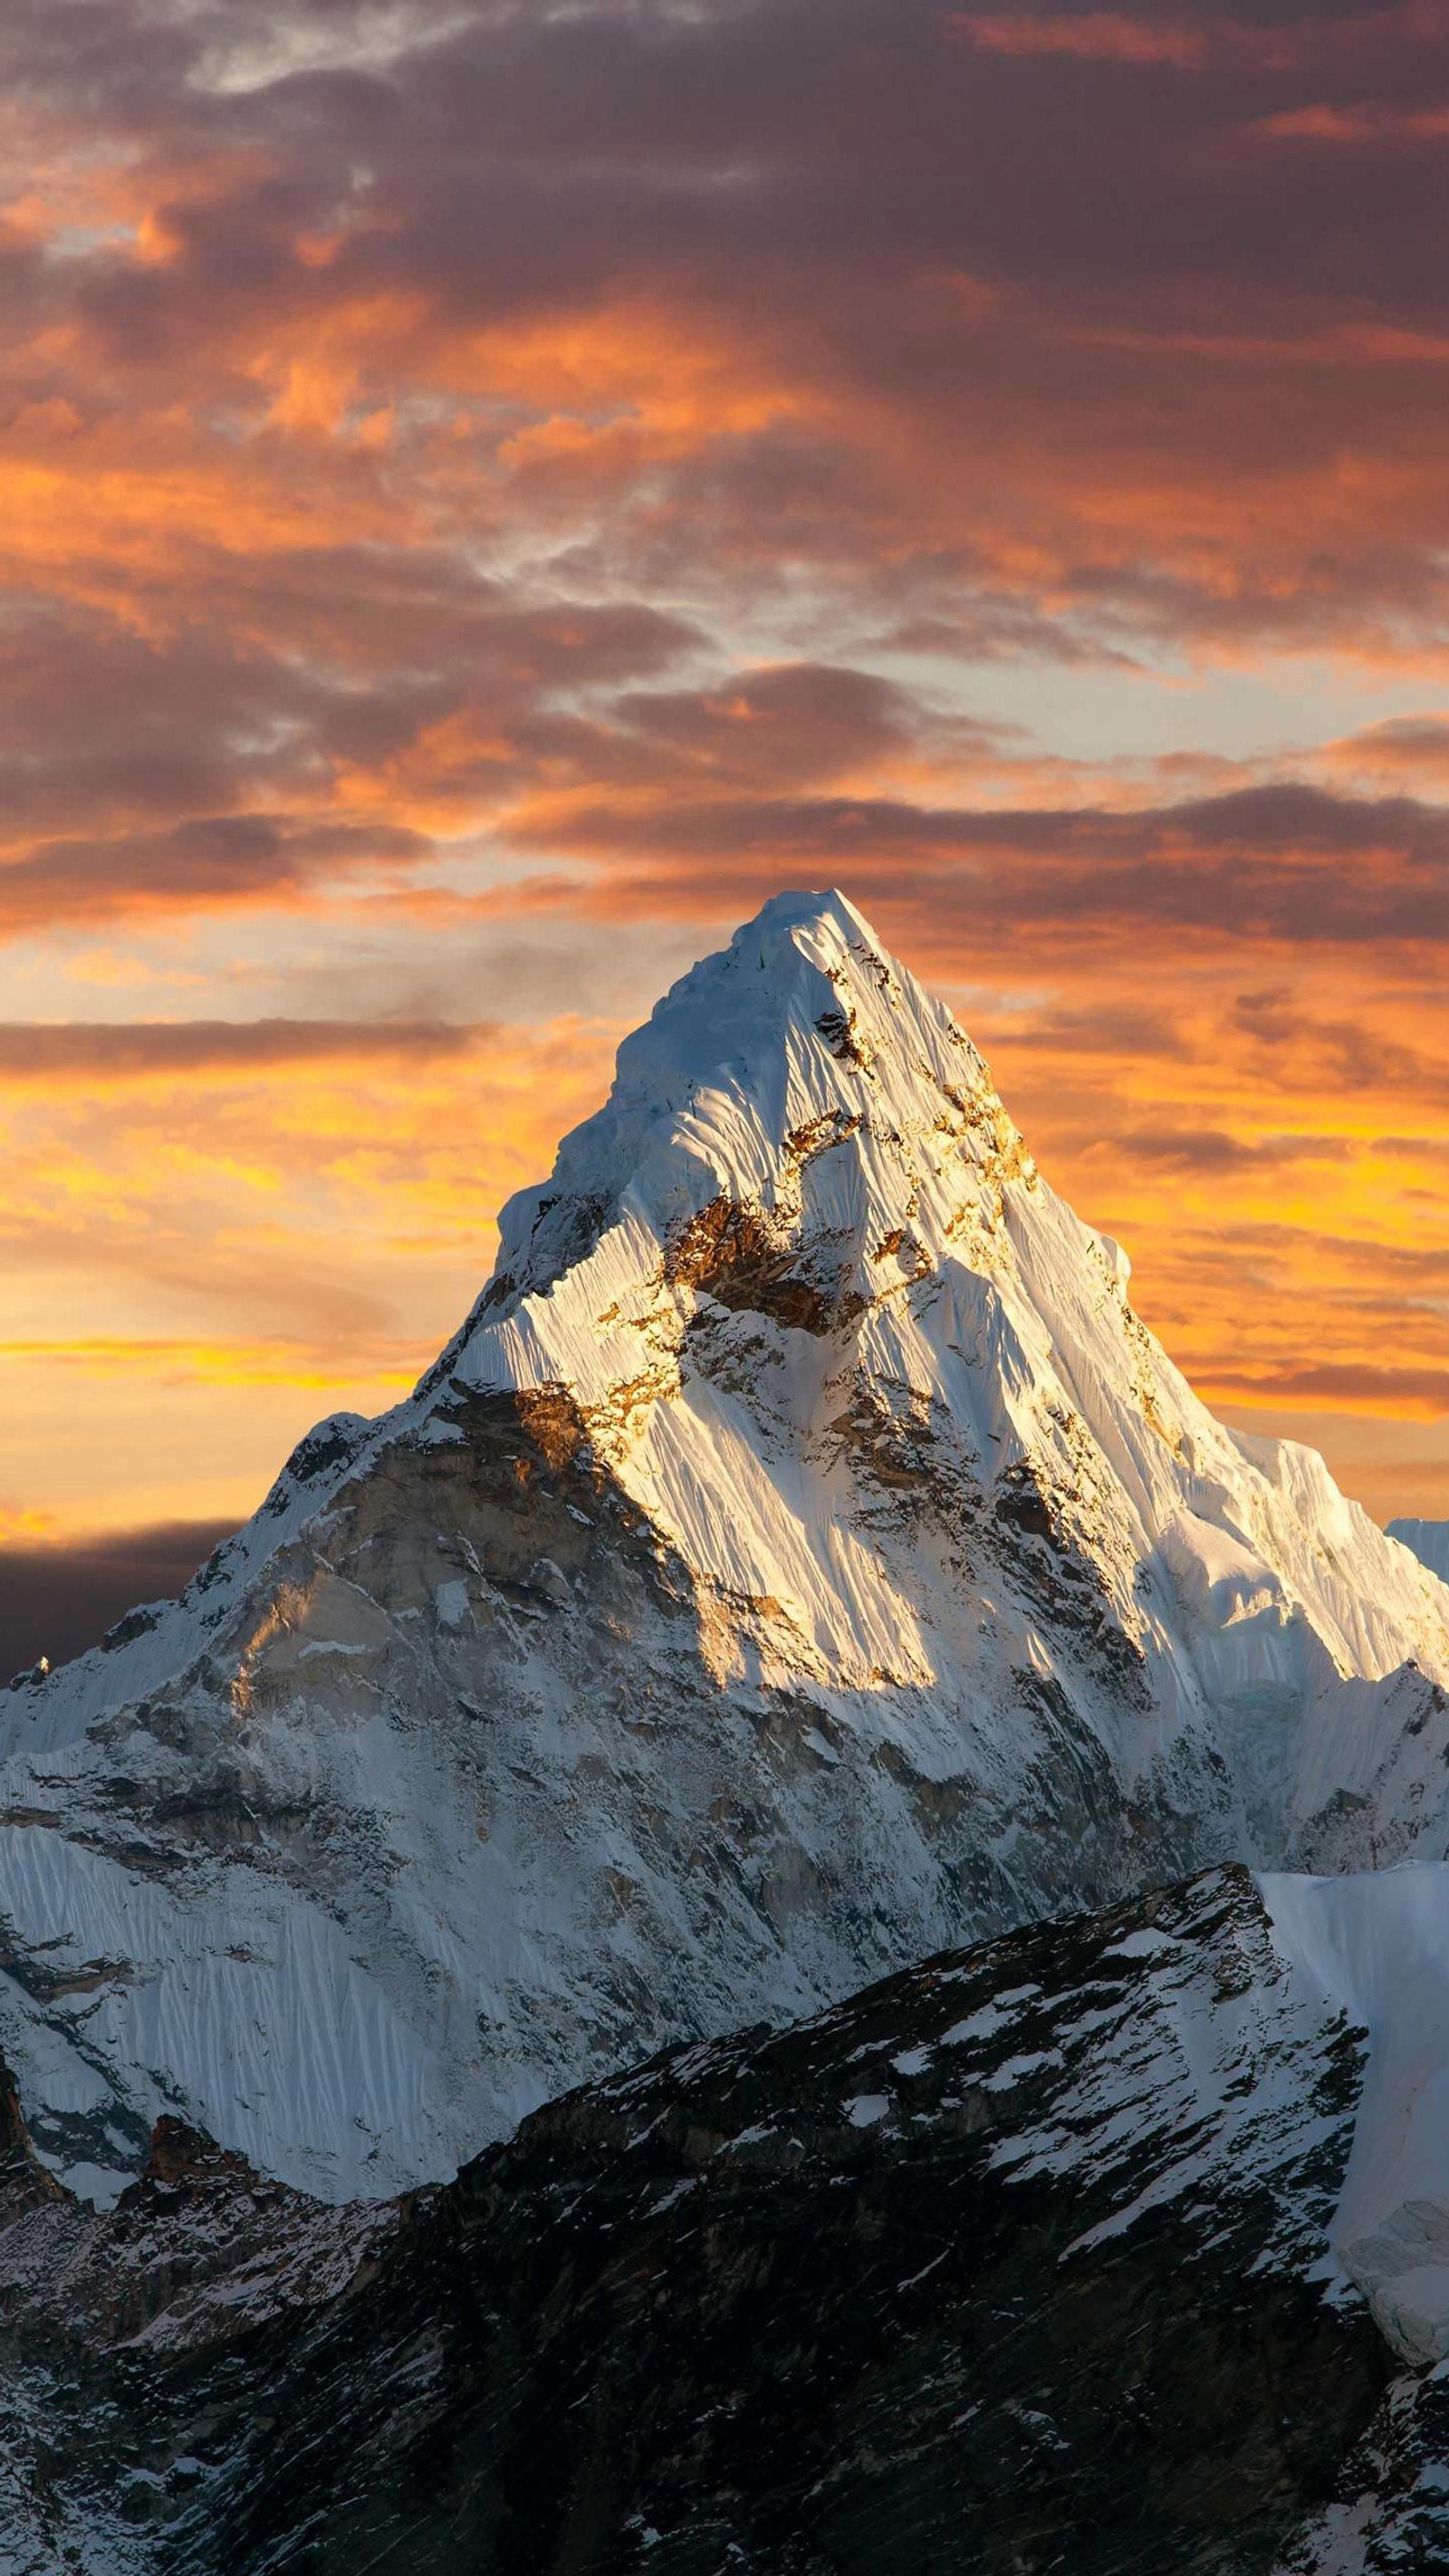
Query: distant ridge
{"type": "Point", "coordinates": [1429, 1541]}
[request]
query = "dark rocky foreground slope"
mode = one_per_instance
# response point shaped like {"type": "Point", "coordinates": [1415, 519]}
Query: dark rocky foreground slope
{"type": "Point", "coordinates": [1013, 2263]}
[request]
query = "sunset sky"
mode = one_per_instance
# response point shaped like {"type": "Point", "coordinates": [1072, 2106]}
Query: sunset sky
{"type": "Point", "coordinates": [492, 492]}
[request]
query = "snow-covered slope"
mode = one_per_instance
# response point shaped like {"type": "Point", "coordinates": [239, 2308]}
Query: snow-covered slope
{"type": "Point", "coordinates": [803, 1558]}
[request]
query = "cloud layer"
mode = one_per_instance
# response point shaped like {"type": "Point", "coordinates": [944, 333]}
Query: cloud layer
{"type": "Point", "coordinates": [490, 495]}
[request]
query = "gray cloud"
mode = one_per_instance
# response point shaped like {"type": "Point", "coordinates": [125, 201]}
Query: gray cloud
{"type": "Point", "coordinates": [1286, 863]}
{"type": "Point", "coordinates": [114, 1051]}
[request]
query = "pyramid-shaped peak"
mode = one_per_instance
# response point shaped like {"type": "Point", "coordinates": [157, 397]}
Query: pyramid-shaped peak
{"type": "Point", "coordinates": [804, 1027]}
{"type": "Point", "coordinates": [803, 1557]}
{"type": "Point", "coordinates": [804, 1000]}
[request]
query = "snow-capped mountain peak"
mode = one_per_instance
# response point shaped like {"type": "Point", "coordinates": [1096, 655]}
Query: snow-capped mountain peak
{"type": "Point", "coordinates": [802, 1559]}
{"type": "Point", "coordinates": [801, 1079]}
{"type": "Point", "coordinates": [804, 1212]}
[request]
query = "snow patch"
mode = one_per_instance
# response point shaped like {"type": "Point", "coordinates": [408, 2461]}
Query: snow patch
{"type": "Point", "coordinates": [866, 2110]}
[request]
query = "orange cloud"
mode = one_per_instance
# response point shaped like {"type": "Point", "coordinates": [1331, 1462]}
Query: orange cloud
{"type": "Point", "coordinates": [1368, 123]}
{"type": "Point", "coordinates": [1093, 36]}
{"type": "Point", "coordinates": [1190, 41]}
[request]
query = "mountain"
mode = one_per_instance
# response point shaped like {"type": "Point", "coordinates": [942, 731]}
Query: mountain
{"type": "Point", "coordinates": [1429, 1541]}
{"type": "Point", "coordinates": [802, 1559]}
{"type": "Point", "coordinates": [1012, 2264]}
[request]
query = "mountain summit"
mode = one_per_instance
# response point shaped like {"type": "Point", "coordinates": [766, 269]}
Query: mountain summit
{"type": "Point", "coordinates": [802, 1559]}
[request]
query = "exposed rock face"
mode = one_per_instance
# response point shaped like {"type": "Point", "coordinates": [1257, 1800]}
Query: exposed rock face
{"type": "Point", "coordinates": [1012, 2264]}
{"type": "Point", "coordinates": [802, 1559]}
{"type": "Point", "coordinates": [131, 2342]}
{"type": "Point", "coordinates": [1389, 2514]}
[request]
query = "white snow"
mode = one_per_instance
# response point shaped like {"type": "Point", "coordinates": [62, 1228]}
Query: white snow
{"type": "Point", "coordinates": [867, 2109]}
{"type": "Point", "coordinates": [976, 2027]}
{"type": "Point", "coordinates": [451, 1600]}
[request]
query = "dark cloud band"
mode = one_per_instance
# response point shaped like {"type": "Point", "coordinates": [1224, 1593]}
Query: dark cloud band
{"type": "Point", "coordinates": [59, 1600]}
{"type": "Point", "coordinates": [110, 1052]}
